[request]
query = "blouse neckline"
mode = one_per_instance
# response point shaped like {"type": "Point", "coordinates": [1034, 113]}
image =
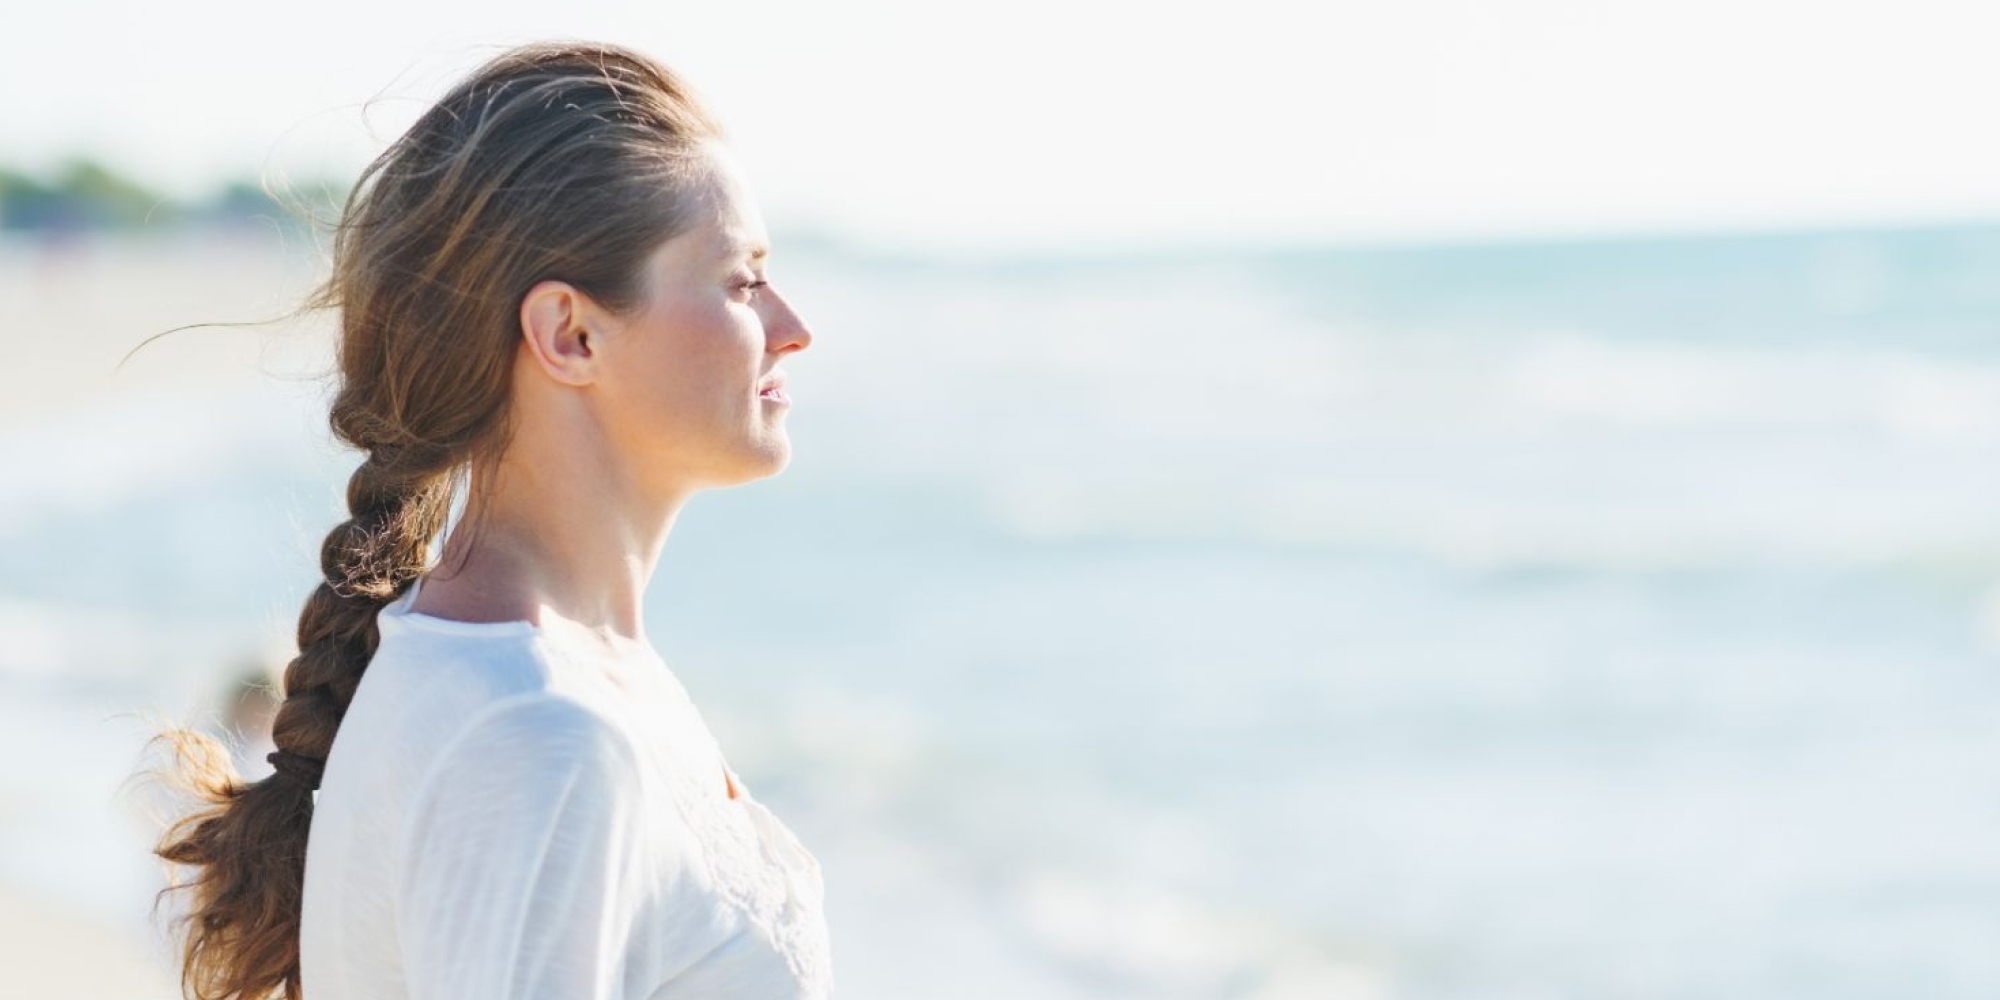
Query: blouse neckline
{"type": "Point", "coordinates": [399, 610]}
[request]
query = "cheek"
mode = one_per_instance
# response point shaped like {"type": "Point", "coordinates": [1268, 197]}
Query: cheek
{"type": "Point", "coordinates": [699, 357]}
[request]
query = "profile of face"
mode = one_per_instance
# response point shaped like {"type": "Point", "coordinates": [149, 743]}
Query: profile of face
{"type": "Point", "coordinates": [673, 385]}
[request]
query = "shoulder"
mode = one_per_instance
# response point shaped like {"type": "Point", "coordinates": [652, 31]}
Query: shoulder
{"type": "Point", "coordinates": [425, 690]}
{"type": "Point", "coordinates": [459, 673]}
{"type": "Point", "coordinates": [542, 788]}
{"type": "Point", "coordinates": [533, 860]}
{"type": "Point", "coordinates": [525, 776]}
{"type": "Point", "coordinates": [422, 691]}
{"type": "Point", "coordinates": [537, 737]}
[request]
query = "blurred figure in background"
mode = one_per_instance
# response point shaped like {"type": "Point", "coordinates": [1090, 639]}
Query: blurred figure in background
{"type": "Point", "coordinates": [249, 706]}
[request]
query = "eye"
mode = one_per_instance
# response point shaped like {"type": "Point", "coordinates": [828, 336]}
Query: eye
{"type": "Point", "coordinates": [752, 285]}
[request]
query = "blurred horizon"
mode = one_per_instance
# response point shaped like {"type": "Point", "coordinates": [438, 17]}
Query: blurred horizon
{"type": "Point", "coordinates": [83, 196]}
{"type": "Point", "coordinates": [1110, 123]}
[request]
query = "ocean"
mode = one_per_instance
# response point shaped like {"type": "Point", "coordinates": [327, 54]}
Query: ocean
{"type": "Point", "coordinates": [1609, 619]}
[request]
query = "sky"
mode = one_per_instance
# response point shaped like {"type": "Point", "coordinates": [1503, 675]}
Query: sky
{"type": "Point", "coordinates": [1040, 124]}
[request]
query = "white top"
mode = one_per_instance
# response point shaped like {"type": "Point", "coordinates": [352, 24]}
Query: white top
{"type": "Point", "coordinates": [511, 812]}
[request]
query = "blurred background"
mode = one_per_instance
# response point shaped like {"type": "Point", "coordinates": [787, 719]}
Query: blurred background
{"type": "Point", "coordinates": [1436, 501]}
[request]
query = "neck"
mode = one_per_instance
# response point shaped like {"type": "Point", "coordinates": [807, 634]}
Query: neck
{"type": "Point", "coordinates": [555, 533]}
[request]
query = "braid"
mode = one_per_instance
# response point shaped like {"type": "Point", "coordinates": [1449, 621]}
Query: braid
{"type": "Point", "coordinates": [396, 506]}
{"type": "Point", "coordinates": [365, 562]}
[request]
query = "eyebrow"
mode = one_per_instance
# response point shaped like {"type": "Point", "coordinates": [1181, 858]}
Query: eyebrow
{"type": "Point", "coordinates": [735, 250]}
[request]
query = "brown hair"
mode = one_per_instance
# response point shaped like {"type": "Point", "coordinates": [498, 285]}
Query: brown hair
{"type": "Point", "coordinates": [560, 160]}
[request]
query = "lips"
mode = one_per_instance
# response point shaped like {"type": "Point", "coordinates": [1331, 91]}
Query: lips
{"type": "Point", "coordinates": [774, 384]}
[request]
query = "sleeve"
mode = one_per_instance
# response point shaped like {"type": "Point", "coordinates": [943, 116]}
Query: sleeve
{"type": "Point", "coordinates": [525, 859]}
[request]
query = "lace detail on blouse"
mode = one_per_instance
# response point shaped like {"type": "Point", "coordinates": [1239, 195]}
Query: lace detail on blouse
{"type": "Point", "coordinates": [756, 864]}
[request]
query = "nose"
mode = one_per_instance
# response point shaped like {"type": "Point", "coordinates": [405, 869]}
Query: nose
{"type": "Point", "coordinates": [787, 330]}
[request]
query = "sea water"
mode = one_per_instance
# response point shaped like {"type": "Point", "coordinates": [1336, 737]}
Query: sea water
{"type": "Point", "coordinates": [1613, 619]}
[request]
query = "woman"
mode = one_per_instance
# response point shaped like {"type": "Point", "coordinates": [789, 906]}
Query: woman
{"type": "Point", "coordinates": [552, 293]}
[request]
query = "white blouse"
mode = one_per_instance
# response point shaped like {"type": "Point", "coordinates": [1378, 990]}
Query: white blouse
{"type": "Point", "coordinates": [509, 813]}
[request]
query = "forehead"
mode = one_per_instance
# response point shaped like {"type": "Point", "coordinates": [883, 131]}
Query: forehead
{"type": "Point", "coordinates": [722, 227]}
{"type": "Point", "coordinates": [728, 219]}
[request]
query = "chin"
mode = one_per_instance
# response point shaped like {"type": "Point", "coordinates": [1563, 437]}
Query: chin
{"type": "Point", "coordinates": [769, 459]}
{"type": "Point", "coordinates": [779, 459]}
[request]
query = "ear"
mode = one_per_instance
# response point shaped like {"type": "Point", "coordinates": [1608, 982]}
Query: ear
{"type": "Point", "coordinates": [553, 327]}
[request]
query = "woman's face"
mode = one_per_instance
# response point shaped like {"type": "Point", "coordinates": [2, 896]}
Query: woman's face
{"type": "Point", "coordinates": [684, 369]}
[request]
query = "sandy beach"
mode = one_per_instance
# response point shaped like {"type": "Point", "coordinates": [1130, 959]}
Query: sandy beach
{"type": "Point", "coordinates": [52, 950]}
